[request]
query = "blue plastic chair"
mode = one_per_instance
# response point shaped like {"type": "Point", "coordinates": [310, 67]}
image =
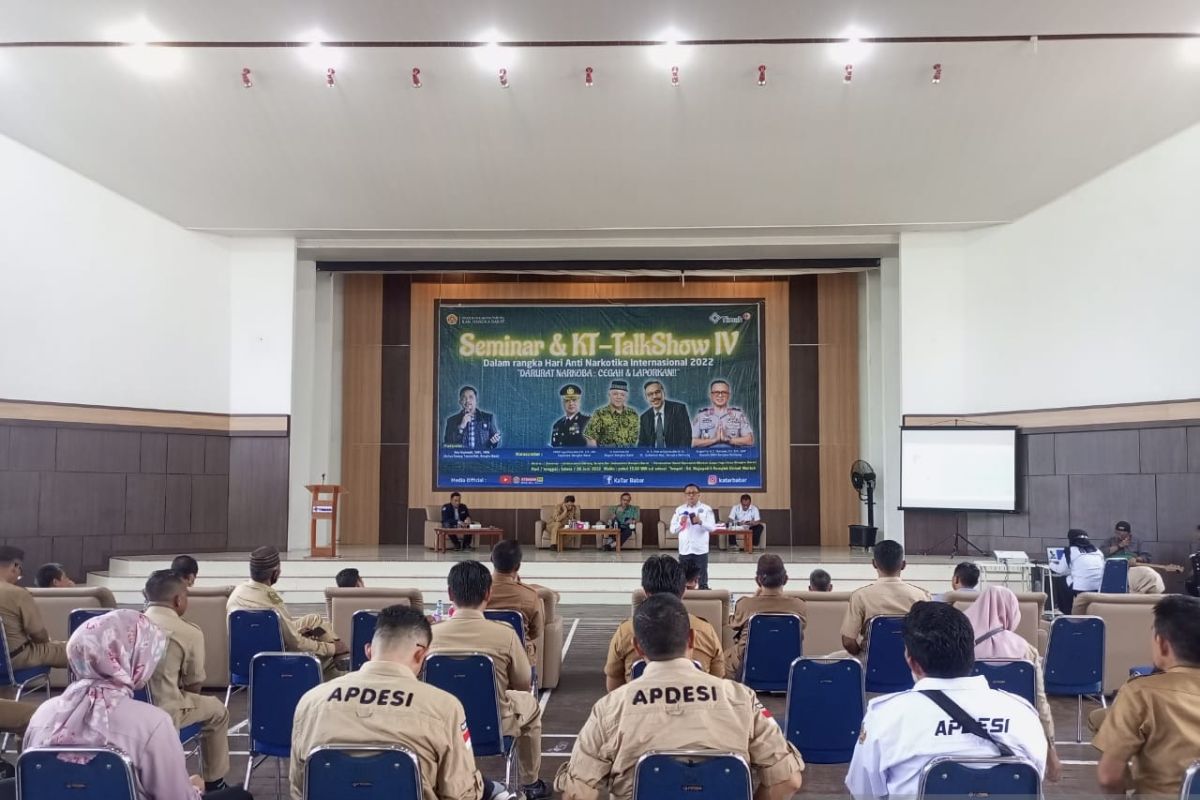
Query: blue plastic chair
{"type": "Point", "coordinates": [28, 679]}
{"type": "Point", "coordinates": [773, 642]}
{"type": "Point", "coordinates": [188, 735]}
{"type": "Point", "coordinates": [1141, 670]}
{"type": "Point", "coordinates": [691, 775]}
{"type": "Point", "coordinates": [1075, 662]}
{"type": "Point", "coordinates": [1010, 675]}
{"type": "Point", "coordinates": [1191, 787]}
{"type": "Point", "coordinates": [42, 775]}
{"type": "Point", "coordinates": [362, 773]}
{"type": "Point", "coordinates": [471, 677]}
{"type": "Point", "coordinates": [362, 630]}
{"type": "Point", "coordinates": [250, 633]}
{"type": "Point", "coordinates": [980, 777]}
{"type": "Point", "coordinates": [1116, 576]}
{"type": "Point", "coordinates": [78, 616]}
{"type": "Point", "coordinates": [887, 671]}
{"type": "Point", "coordinates": [825, 708]}
{"type": "Point", "coordinates": [510, 616]}
{"type": "Point", "coordinates": [277, 682]}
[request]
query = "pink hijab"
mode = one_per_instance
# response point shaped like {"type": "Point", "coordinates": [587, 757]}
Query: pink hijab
{"type": "Point", "coordinates": [111, 656]}
{"type": "Point", "coordinates": [994, 616]}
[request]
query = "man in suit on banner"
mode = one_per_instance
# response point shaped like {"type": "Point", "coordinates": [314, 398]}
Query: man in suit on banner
{"type": "Point", "coordinates": [471, 428]}
{"type": "Point", "coordinates": [665, 423]}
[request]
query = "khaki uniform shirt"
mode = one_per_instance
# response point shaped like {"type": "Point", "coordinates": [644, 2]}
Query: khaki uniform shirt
{"type": "Point", "coordinates": [706, 650]}
{"type": "Point", "coordinates": [383, 703]}
{"type": "Point", "coordinates": [468, 631]}
{"type": "Point", "coordinates": [1155, 720]}
{"type": "Point", "coordinates": [181, 665]}
{"type": "Point", "coordinates": [21, 617]}
{"type": "Point", "coordinates": [674, 706]}
{"type": "Point", "coordinates": [884, 596]}
{"type": "Point", "coordinates": [767, 601]}
{"type": "Point", "coordinates": [508, 593]}
{"type": "Point", "coordinates": [254, 596]}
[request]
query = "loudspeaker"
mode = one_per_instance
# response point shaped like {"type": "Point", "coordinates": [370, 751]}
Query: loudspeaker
{"type": "Point", "coordinates": [863, 536]}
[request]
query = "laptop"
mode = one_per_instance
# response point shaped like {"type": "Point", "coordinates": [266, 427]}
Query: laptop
{"type": "Point", "coordinates": [1055, 554]}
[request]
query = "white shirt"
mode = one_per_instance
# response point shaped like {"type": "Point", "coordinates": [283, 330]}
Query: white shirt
{"type": "Point", "coordinates": [693, 540]}
{"type": "Point", "coordinates": [739, 514]}
{"type": "Point", "coordinates": [902, 732]}
{"type": "Point", "coordinates": [1085, 572]}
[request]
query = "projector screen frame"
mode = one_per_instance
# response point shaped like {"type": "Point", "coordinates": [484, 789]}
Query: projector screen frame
{"type": "Point", "coordinates": [1016, 468]}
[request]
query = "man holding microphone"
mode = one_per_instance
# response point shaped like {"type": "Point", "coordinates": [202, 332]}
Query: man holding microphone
{"type": "Point", "coordinates": [692, 523]}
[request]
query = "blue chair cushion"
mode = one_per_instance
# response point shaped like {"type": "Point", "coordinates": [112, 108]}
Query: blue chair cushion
{"type": "Point", "coordinates": [265, 749]}
{"type": "Point", "coordinates": [190, 732]}
{"type": "Point", "coordinates": [29, 673]}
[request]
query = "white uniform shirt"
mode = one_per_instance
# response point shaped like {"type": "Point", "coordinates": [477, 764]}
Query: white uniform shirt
{"type": "Point", "coordinates": [902, 732]}
{"type": "Point", "coordinates": [1085, 572]}
{"type": "Point", "coordinates": [693, 540]}
{"type": "Point", "coordinates": [744, 515]}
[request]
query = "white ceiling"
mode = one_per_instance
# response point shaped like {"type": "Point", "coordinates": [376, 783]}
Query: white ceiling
{"type": "Point", "coordinates": [1010, 127]}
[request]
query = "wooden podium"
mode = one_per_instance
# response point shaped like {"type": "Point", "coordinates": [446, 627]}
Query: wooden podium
{"type": "Point", "coordinates": [324, 506]}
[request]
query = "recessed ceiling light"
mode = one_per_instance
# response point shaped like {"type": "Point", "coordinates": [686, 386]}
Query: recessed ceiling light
{"type": "Point", "coordinates": [151, 62]}
{"type": "Point", "coordinates": [671, 53]}
{"type": "Point", "coordinates": [853, 50]}
{"type": "Point", "coordinates": [316, 54]}
{"type": "Point", "coordinates": [492, 55]}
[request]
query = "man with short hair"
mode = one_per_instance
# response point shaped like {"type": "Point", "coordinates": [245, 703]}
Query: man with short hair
{"type": "Point", "coordinates": [662, 574]}
{"type": "Point", "coordinates": [889, 594]}
{"type": "Point", "coordinates": [179, 677]}
{"type": "Point", "coordinates": [306, 634]}
{"type": "Point", "coordinates": [1122, 544]}
{"type": "Point", "coordinates": [471, 428]}
{"type": "Point", "coordinates": [964, 579]}
{"type": "Point", "coordinates": [665, 423]}
{"type": "Point", "coordinates": [348, 578]}
{"type": "Point", "coordinates": [52, 576]}
{"type": "Point", "coordinates": [567, 430]}
{"type": "Point", "coordinates": [675, 706]}
{"type": "Point", "coordinates": [565, 515]}
{"type": "Point", "coordinates": [509, 592]}
{"type": "Point", "coordinates": [455, 514]}
{"type": "Point", "coordinates": [691, 577]}
{"type": "Point", "coordinates": [770, 576]}
{"type": "Point", "coordinates": [721, 425]}
{"type": "Point", "coordinates": [745, 515]}
{"type": "Point", "coordinates": [28, 643]}
{"type": "Point", "coordinates": [1155, 721]}
{"type": "Point", "coordinates": [468, 631]}
{"type": "Point", "coordinates": [624, 517]}
{"type": "Point", "coordinates": [820, 581]}
{"type": "Point", "coordinates": [187, 568]}
{"type": "Point", "coordinates": [385, 703]}
{"type": "Point", "coordinates": [949, 712]}
{"type": "Point", "coordinates": [616, 424]}
{"type": "Point", "coordinates": [693, 522]}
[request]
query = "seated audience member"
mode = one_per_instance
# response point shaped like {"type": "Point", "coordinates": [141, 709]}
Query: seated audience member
{"type": "Point", "coordinates": [688, 709]}
{"type": "Point", "coordinates": [28, 643]}
{"type": "Point", "coordinates": [662, 575]}
{"type": "Point", "coordinates": [112, 656]}
{"type": "Point", "coordinates": [746, 515]}
{"type": "Point", "coordinates": [1122, 544]}
{"type": "Point", "coordinates": [964, 579]}
{"type": "Point", "coordinates": [623, 517]}
{"type": "Point", "coordinates": [691, 576]}
{"type": "Point", "coordinates": [305, 634]}
{"type": "Point", "coordinates": [348, 579]}
{"type": "Point", "coordinates": [994, 616]}
{"type": "Point", "coordinates": [187, 568]}
{"type": "Point", "coordinates": [820, 581]}
{"type": "Point", "coordinates": [179, 677]}
{"type": "Point", "coordinates": [508, 592]}
{"type": "Point", "coordinates": [52, 576]}
{"type": "Point", "coordinates": [1144, 580]}
{"type": "Point", "coordinates": [1155, 720]}
{"type": "Point", "coordinates": [565, 514]}
{"type": "Point", "coordinates": [468, 631]}
{"type": "Point", "coordinates": [771, 576]}
{"type": "Point", "coordinates": [902, 732]}
{"type": "Point", "coordinates": [889, 594]}
{"type": "Point", "coordinates": [385, 703]}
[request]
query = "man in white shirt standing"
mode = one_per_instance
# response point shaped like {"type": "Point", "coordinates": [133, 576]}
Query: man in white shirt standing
{"type": "Point", "coordinates": [902, 732]}
{"type": "Point", "coordinates": [692, 522]}
{"type": "Point", "coordinates": [745, 514]}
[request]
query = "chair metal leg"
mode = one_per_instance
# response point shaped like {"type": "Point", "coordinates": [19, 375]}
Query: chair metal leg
{"type": "Point", "coordinates": [249, 769]}
{"type": "Point", "coordinates": [278, 777]}
{"type": "Point", "coordinates": [511, 778]}
{"type": "Point", "coordinates": [228, 694]}
{"type": "Point", "coordinates": [1079, 720]}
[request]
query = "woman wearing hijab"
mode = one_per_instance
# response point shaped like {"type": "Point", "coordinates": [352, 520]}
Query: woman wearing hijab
{"type": "Point", "coordinates": [1144, 580]}
{"type": "Point", "coordinates": [1083, 565]}
{"type": "Point", "coordinates": [994, 617]}
{"type": "Point", "coordinates": [112, 656]}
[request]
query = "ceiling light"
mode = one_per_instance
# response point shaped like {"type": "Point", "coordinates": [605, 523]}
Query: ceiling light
{"type": "Point", "coordinates": [853, 50]}
{"type": "Point", "coordinates": [670, 53]}
{"type": "Point", "coordinates": [318, 55]}
{"type": "Point", "coordinates": [151, 62]}
{"type": "Point", "coordinates": [492, 55]}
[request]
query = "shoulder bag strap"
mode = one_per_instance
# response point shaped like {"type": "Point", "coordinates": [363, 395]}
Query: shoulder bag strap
{"type": "Point", "coordinates": [965, 720]}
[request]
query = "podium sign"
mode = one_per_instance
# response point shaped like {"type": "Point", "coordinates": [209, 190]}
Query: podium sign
{"type": "Point", "coordinates": [324, 507]}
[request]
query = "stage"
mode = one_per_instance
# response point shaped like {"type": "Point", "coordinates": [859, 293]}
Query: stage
{"type": "Point", "coordinates": [584, 577]}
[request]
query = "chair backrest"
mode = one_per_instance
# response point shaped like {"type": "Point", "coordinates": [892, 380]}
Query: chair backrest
{"type": "Point", "coordinates": [6, 673]}
{"type": "Point", "coordinates": [510, 616]}
{"type": "Point", "coordinates": [824, 612]}
{"type": "Point", "coordinates": [277, 682]}
{"type": "Point", "coordinates": [691, 775]}
{"type": "Point", "coordinates": [773, 642]}
{"type": "Point", "coordinates": [207, 609]}
{"type": "Point", "coordinates": [359, 772]}
{"type": "Point", "coordinates": [1126, 617]}
{"type": "Point", "coordinates": [1190, 787]}
{"type": "Point", "coordinates": [637, 669]}
{"type": "Point", "coordinates": [1010, 675]}
{"type": "Point", "coordinates": [710, 605]}
{"type": "Point", "coordinates": [251, 632]}
{"type": "Point", "coordinates": [341, 603]}
{"type": "Point", "coordinates": [471, 678]}
{"type": "Point", "coordinates": [108, 773]}
{"type": "Point", "coordinates": [825, 707]}
{"type": "Point", "coordinates": [362, 632]}
{"type": "Point", "coordinates": [78, 616]}
{"type": "Point", "coordinates": [980, 777]}
{"type": "Point", "coordinates": [1075, 656]}
{"type": "Point", "coordinates": [1116, 576]}
{"type": "Point", "coordinates": [887, 671]}
{"type": "Point", "coordinates": [1030, 604]}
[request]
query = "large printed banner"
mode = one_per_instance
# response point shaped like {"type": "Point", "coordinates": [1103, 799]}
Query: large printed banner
{"type": "Point", "coordinates": [599, 395]}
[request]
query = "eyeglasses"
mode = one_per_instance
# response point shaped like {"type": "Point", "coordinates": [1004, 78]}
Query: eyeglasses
{"type": "Point", "coordinates": [718, 391]}
{"type": "Point", "coordinates": [692, 492]}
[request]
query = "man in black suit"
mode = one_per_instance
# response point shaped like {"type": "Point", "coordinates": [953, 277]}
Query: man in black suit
{"type": "Point", "coordinates": [665, 423]}
{"type": "Point", "coordinates": [455, 514]}
{"type": "Point", "coordinates": [471, 428]}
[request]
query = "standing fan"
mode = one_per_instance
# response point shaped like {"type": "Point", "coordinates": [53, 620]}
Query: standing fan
{"type": "Point", "coordinates": [862, 478]}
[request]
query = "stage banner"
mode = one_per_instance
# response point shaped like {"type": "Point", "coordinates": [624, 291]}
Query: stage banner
{"type": "Point", "coordinates": [592, 396]}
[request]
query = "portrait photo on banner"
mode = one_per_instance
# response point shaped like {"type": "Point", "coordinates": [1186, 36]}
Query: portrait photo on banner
{"type": "Point", "coordinates": [598, 395]}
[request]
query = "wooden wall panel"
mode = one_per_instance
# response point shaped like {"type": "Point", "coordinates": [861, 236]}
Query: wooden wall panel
{"type": "Point", "coordinates": [837, 367]}
{"type": "Point", "coordinates": [362, 395]}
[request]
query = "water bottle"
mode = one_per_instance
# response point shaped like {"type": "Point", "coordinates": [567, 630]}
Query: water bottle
{"type": "Point", "coordinates": [437, 612]}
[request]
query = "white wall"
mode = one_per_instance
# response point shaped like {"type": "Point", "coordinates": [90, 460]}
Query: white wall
{"type": "Point", "coordinates": [1089, 300]}
{"type": "Point", "coordinates": [262, 285]}
{"type": "Point", "coordinates": [879, 388]}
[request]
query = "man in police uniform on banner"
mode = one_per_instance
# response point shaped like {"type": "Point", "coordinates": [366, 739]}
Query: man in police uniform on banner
{"type": "Point", "coordinates": [721, 425]}
{"type": "Point", "coordinates": [385, 703]}
{"type": "Point", "coordinates": [675, 706]}
{"type": "Point", "coordinates": [949, 712]}
{"type": "Point", "coordinates": [616, 424]}
{"type": "Point", "coordinates": [568, 429]}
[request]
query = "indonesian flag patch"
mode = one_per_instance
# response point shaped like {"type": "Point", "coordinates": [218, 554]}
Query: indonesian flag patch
{"type": "Point", "coordinates": [466, 734]}
{"type": "Point", "coordinates": [766, 712]}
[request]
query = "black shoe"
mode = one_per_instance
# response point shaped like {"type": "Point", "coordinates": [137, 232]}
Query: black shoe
{"type": "Point", "coordinates": [536, 791]}
{"type": "Point", "coordinates": [609, 548]}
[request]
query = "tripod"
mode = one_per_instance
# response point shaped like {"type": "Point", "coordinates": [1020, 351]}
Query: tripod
{"type": "Point", "coordinates": [954, 551]}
